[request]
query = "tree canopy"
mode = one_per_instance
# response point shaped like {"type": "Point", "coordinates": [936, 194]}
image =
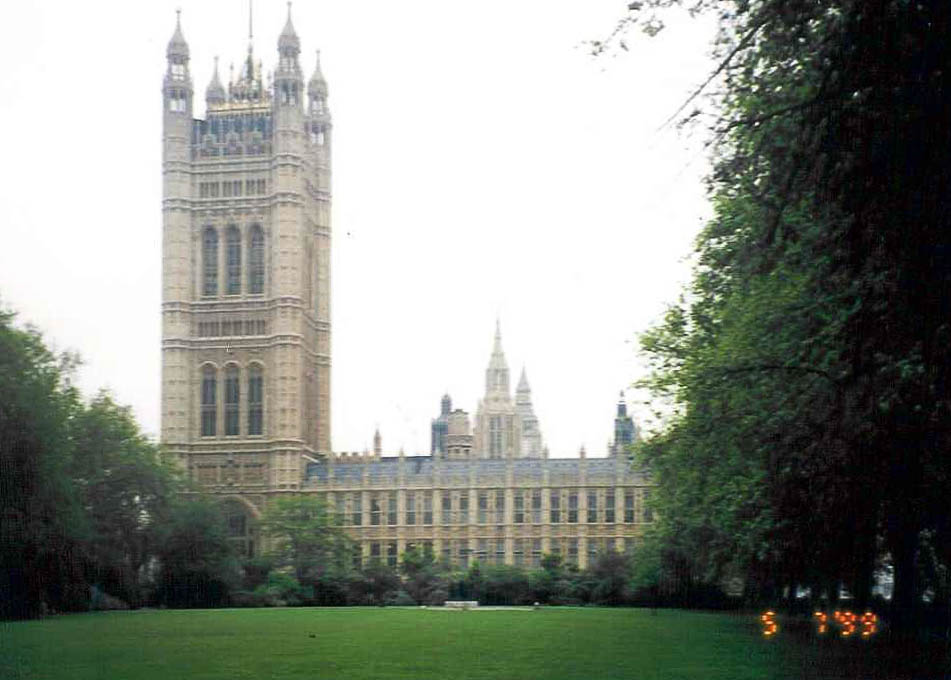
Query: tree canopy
{"type": "Point", "coordinates": [807, 362]}
{"type": "Point", "coordinates": [86, 501]}
{"type": "Point", "coordinates": [306, 538]}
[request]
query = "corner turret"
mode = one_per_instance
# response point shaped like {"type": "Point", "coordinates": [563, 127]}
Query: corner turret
{"type": "Point", "coordinates": [531, 443]}
{"type": "Point", "coordinates": [177, 85]}
{"type": "Point", "coordinates": [439, 428]}
{"type": "Point", "coordinates": [288, 79]}
{"type": "Point", "coordinates": [177, 47]}
{"type": "Point", "coordinates": [624, 430]}
{"type": "Point", "coordinates": [215, 95]}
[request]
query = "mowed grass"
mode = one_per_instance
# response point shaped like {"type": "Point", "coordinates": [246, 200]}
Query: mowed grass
{"type": "Point", "coordinates": [563, 643]}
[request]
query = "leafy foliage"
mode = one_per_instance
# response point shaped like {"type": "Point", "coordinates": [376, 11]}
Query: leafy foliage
{"type": "Point", "coordinates": [197, 567]}
{"type": "Point", "coordinates": [307, 540]}
{"type": "Point", "coordinates": [807, 364]}
{"type": "Point", "coordinates": [125, 490]}
{"type": "Point", "coordinates": [424, 582]}
{"type": "Point", "coordinates": [87, 504]}
{"type": "Point", "coordinates": [305, 534]}
{"type": "Point", "coordinates": [42, 523]}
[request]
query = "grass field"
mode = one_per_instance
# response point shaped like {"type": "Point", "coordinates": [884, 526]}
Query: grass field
{"type": "Point", "coordinates": [564, 643]}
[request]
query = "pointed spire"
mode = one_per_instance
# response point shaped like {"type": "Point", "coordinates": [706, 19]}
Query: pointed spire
{"type": "Point", "coordinates": [497, 374]}
{"type": "Point", "coordinates": [523, 383]}
{"type": "Point", "coordinates": [317, 87]}
{"type": "Point", "coordinates": [498, 356]}
{"type": "Point", "coordinates": [289, 37]}
{"type": "Point", "coordinates": [177, 46]}
{"type": "Point", "coordinates": [497, 348]}
{"type": "Point", "coordinates": [215, 93]}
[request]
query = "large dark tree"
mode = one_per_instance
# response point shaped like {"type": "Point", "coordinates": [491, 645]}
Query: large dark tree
{"type": "Point", "coordinates": [125, 491]}
{"type": "Point", "coordinates": [808, 363]}
{"type": "Point", "coordinates": [196, 564]}
{"type": "Point", "coordinates": [41, 523]}
{"type": "Point", "coordinates": [424, 581]}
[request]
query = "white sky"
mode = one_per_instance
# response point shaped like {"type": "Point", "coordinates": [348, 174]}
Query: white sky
{"type": "Point", "coordinates": [484, 164]}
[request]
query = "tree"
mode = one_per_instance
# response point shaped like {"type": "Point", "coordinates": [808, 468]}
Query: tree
{"type": "Point", "coordinates": [197, 567]}
{"type": "Point", "coordinates": [307, 539]}
{"type": "Point", "coordinates": [280, 590]}
{"type": "Point", "coordinates": [423, 580]}
{"type": "Point", "coordinates": [125, 491]}
{"type": "Point", "coordinates": [378, 582]}
{"type": "Point", "coordinates": [503, 584]}
{"type": "Point", "coordinates": [808, 364]}
{"type": "Point", "coordinates": [610, 576]}
{"type": "Point", "coordinates": [43, 524]}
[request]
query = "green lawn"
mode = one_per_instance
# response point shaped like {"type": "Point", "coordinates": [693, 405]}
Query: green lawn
{"type": "Point", "coordinates": [582, 643]}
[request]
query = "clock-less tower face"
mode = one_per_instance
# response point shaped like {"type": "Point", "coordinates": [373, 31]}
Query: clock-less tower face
{"type": "Point", "coordinates": [246, 273]}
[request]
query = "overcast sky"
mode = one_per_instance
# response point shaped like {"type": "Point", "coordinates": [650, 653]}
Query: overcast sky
{"type": "Point", "coordinates": [484, 165]}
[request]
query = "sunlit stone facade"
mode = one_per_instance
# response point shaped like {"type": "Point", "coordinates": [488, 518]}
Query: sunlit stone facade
{"type": "Point", "coordinates": [508, 511]}
{"type": "Point", "coordinates": [472, 499]}
{"type": "Point", "coordinates": [246, 353]}
{"type": "Point", "coordinates": [246, 274]}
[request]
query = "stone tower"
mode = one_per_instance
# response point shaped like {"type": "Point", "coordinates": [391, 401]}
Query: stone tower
{"type": "Point", "coordinates": [531, 445]}
{"type": "Point", "coordinates": [439, 429]}
{"type": "Point", "coordinates": [246, 273]}
{"type": "Point", "coordinates": [497, 432]}
{"type": "Point", "coordinates": [625, 432]}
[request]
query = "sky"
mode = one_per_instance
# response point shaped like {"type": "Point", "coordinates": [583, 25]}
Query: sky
{"type": "Point", "coordinates": [485, 166]}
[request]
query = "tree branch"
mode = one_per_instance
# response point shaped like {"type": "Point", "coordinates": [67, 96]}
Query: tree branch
{"type": "Point", "coordinates": [744, 42]}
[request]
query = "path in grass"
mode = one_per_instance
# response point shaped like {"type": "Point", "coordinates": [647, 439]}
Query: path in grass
{"type": "Point", "coordinates": [364, 643]}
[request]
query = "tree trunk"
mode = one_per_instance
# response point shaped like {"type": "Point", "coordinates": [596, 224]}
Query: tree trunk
{"type": "Point", "coordinates": [904, 541]}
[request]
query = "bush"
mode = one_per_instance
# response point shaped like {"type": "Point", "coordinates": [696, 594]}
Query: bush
{"type": "Point", "coordinates": [400, 599]}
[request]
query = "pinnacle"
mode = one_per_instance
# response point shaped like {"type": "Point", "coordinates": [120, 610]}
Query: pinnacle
{"type": "Point", "coordinates": [523, 382]}
{"type": "Point", "coordinates": [177, 45]}
{"type": "Point", "coordinates": [289, 37]}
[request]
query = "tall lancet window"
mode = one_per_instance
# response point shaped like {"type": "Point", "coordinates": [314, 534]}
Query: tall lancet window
{"type": "Point", "coordinates": [234, 261]}
{"type": "Point", "coordinates": [232, 397]}
{"type": "Point", "coordinates": [209, 399]}
{"type": "Point", "coordinates": [495, 436]}
{"type": "Point", "coordinates": [255, 400]}
{"type": "Point", "coordinates": [256, 262]}
{"type": "Point", "coordinates": [209, 259]}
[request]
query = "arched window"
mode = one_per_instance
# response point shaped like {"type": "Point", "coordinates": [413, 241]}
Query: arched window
{"type": "Point", "coordinates": [255, 400]}
{"type": "Point", "coordinates": [232, 397]}
{"type": "Point", "coordinates": [234, 262]}
{"type": "Point", "coordinates": [256, 262]}
{"type": "Point", "coordinates": [209, 398]}
{"type": "Point", "coordinates": [209, 258]}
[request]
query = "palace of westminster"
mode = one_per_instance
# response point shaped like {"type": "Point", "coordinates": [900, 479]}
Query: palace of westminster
{"type": "Point", "coordinates": [246, 354]}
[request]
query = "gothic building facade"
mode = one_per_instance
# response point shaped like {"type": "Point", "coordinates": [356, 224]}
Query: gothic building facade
{"type": "Point", "coordinates": [246, 273]}
{"type": "Point", "coordinates": [504, 428]}
{"type": "Point", "coordinates": [246, 352]}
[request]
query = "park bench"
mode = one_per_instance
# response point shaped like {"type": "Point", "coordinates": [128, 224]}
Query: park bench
{"type": "Point", "coordinates": [461, 604]}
